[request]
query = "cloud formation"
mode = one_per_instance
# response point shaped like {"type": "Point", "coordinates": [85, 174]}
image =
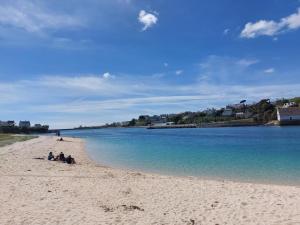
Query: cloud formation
{"type": "Point", "coordinates": [34, 18]}
{"type": "Point", "coordinates": [270, 70]}
{"type": "Point", "coordinates": [247, 62]}
{"type": "Point", "coordinates": [226, 31]}
{"type": "Point", "coordinates": [67, 101]}
{"type": "Point", "coordinates": [178, 72]}
{"type": "Point", "coordinates": [108, 76]}
{"type": "Point", "coordinates": [147, 19]}
{"type": "Point", "coordinates": [271, 27]}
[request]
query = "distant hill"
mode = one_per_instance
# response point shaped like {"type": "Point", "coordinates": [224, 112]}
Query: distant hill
{"type": "Point", "coordinates": [241, 113]}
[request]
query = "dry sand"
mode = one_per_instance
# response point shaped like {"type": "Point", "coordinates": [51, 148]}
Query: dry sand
{"type": "Point", "coordinates": [34, 191]}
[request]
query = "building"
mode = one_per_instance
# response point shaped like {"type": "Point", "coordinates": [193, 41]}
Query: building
{"type": "Point", "coordinates": [227, 112]}
{"type": "Point", "coordinates": [289, 104]}
{"type": "Point", "coordinates": [243, 115]}
{"type": "Point", "coordinates": [37, 125]}
{"type": "Point", "coordinates": [9, 123]}
{"type": "Point", "coordinates": [288, 116]}
{"type": "Point", "coordinates": [240, 115]}
{"type": "Point", "coordinates": [3, 124]}
{"type": "Point", "coordinates": [24, 124]}
{"type": "Point", "coordinates": [157, 119]}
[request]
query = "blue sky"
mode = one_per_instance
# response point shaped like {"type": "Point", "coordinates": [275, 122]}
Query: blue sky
{"type": "Point", "coordinates": [70, 63]}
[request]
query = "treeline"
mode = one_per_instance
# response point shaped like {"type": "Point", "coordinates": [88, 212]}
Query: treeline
{"type": "Point", "coordinates": [262, 112]}
{"type": "Point", "coordinates": [23, 130]}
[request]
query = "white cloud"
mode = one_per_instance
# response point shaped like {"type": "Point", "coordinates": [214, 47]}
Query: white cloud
{"type": "Point", "coordinates": [178, 72]}
{"type": "Point", "coordinates": [259, 28]}
{"type": "Point", "coordinates": [247, 62]}
{"type": "Point", "coordinates": [292, 21]}
{"type": "Point", "coordinates": [226, 31]}
{"type": "Point", "coordinates": [34, 18]}
{"type": "Point", "coordinates": [147, 19]}
{"type": "Point", "coordinates": [270, 70]}
{"type": "Point", "coordinates": [225, 69]}
{"type": "Point", "coordinates": [107, 76]}
{"type": "Point", "coordinates": [271, 27]}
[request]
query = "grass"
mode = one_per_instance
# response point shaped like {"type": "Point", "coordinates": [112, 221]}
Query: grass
{"type": "Point", "coordinates": [8, 139]}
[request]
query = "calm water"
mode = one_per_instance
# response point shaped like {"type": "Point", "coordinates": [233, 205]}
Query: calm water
{"type": "Point", "coordinates": [262, 154]}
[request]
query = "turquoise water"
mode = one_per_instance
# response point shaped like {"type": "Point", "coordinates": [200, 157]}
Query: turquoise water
{"type": "Point", "coordinates": [259, 154]}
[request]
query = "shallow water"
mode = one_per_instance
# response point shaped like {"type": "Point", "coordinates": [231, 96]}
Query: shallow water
{"type": "Point", "coordinates": [256, 154]}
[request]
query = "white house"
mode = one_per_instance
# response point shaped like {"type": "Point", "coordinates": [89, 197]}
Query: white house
{"type": "Point", "coordinates": [289, 104]}
{"type": "Point", "coordinates": [288, 115]}
{"type": "Point", "coordinates": [243, 115]}
{"type": "Point", "coordinates": [24, 124]}
{"type": "Point", "coordinates": [227, 112]}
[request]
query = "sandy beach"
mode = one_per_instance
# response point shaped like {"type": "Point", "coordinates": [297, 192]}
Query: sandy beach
{"type": "Point", "coordinates": [36, 191]}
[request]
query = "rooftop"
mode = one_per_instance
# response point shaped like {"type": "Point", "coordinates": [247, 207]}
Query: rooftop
{"type": "Point", "coordinates": [289, 111]}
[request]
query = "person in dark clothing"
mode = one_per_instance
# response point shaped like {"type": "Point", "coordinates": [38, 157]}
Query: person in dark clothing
{"type": "Point", "coordinates": [62, 157]}
{"type": "Point", "coordinates": [50, 156]}
{"type": "Point", "coordinates": [70, 160]}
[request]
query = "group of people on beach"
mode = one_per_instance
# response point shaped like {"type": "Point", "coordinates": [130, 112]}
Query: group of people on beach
{"type": "Point", "coordinates": [61, 157]}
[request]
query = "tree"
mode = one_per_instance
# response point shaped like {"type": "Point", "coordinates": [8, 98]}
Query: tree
{"type": "Point", "coordinates": [132, 122]}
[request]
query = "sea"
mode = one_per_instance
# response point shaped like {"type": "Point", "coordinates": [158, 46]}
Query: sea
{"type": "Point", "coordinates": [248, 154]}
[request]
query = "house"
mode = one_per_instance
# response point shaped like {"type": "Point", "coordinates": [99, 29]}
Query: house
{"type": "Point", "coordinates": [37, 125]}
{"type": "Point", "coordinates": [288, 116]}
{"type": "Point", "coordinates": [227, 112]}
{"type": "Point", "coordinates": [240, 115]}
{"type": "Point", "coordinates": [157, 119]}
{"type": "Point", "coordinates": [243, 115]}
{"type": "Point", "coordinates": [290, 104]}
{"type": "Point", "coordinates": [9, 123]}
{"type": "Point", "coordinates": [24, 124]}
{"type": "Point", "coordinates": [3, 124]}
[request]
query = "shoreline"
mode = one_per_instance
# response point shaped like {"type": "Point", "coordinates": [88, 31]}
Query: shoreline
{"type": "Point", "coordinates": [39, 191]}
{"type": "Point", "coordinates": [186, 127]}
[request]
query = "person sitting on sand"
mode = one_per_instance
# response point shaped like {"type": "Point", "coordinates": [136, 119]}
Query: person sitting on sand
{"type": "Point", "coordinates": [61, 157]}
{"type": "Point", "coordinates": [50, 156]}
{"type": "Point", "coordinates": [70, 160]}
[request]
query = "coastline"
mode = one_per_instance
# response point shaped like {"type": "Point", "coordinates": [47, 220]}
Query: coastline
{"type": "Point", "coordinates": [39, 191]}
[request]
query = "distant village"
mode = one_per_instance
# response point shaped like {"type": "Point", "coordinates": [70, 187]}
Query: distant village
{"type": "Point", "coordinates": [22, 127]}
{"type": "Point", "coordinates": [264, 112]}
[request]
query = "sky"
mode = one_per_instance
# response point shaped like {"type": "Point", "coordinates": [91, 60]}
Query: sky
{"type": "Point", "coordinates": [69, 63]}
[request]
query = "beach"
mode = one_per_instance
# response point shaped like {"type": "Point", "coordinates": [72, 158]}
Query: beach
{"type": "Point", "coordinates": [38, 191]}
